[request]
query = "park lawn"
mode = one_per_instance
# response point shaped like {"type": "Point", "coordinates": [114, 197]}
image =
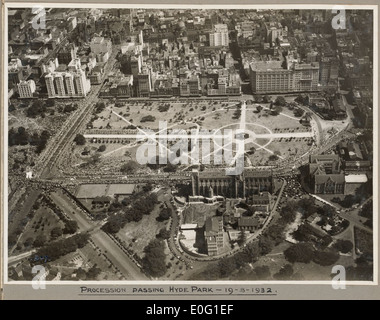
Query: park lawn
{"type": "Point", "coordinates": [177, 112]}
{"type": "Point", "coordinates": [309, 272]}
{"type": "Point", "coordinates": [94, 258]}
{"type": "Point", "coordinates": [143, 231]}
{"type": "Point", "coordinates": [49, 221]}
{"type": "Point", "coordinates": [363, 241]}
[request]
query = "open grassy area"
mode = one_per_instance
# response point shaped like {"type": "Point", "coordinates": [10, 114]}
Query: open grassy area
{"type": "Point", "coordinates": [43, 221]}
{"type": "Point", "coordinates": [176, 113]}
{"type": "Point", "coordinates": [363, 241]}
{"type": "Point", "coordinates": [138, 234]}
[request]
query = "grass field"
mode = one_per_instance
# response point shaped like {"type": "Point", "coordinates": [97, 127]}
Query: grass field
{"type": "Point", "coordinates": [43, 221]}
{"type": "Point", "coordinates": [138, 234]}
{"type": "Point", "coordinates": [202, 115]}
{"type": "Point", "coordinates": [363, 241]}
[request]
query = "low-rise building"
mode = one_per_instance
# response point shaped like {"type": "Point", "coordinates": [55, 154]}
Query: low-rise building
{"type": "Point", "coordinates": [248, 223]}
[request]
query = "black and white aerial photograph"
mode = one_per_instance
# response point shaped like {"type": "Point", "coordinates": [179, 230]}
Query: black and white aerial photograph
{"type": "Point", "coordinates": [189, 144]}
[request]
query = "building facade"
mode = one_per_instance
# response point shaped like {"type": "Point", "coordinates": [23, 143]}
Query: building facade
{"type": "Point", "coordinates": [241, 186]}
{"type": "Point", "coordinates": [325, 174]}
{"type": "Point", "coordinates": [273, 77]}
{"type": "Point", "coordinates": [26, 89]}
{"type": "Point", "coordinates": [214, 235]}
{"type": "Point", "coordinates": [68, 84]}
{"type": "Point", "coordinates": [220, 36]}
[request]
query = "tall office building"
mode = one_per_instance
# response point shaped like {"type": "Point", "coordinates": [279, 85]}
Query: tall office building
{"type": "Point", "coordinates": [68, 84]}
{"type": "Point", "coordinates": [26, 89]}
{"type": "Point", "coordinates": [67, 54]}
{"type": "Point", "coordinates": [328, 70]}
{"type": "Point", "coordinates": [273, 30]}
{"type": "Point", "coordinates": [143, 85]}
{"type": "Point", "coordinates": [220, 36]}
{"type": "Point", "coordinates": [269, 76]}
{"type": "Point", "coordinates": [306, 76]}
{"type": "Point", "coordinates": [272, 77]}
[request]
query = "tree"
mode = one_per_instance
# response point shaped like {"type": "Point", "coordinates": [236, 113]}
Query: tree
{"type": "Point", "coordinates": [154, 259]}
{"type": "Point", "coordinates": [80, 140]}
{"type": "Point", "coordinates": [259, 108]}
{"type": "Point", "coordinates": [303, 233]}
{"type": "Point", "coordinates": [71, 227]}
{"type": "Point", "coordinates": [99, 107]}
{"type": "Point", "coordinates": [50, 102]}
{"type": "Point", "coordinates": [262, 272]}
{"type": "Point", "coordinates": [285, 272]}
{"type": "Point", "coordinates": [165, 214]}
{"type": "Point", "coordinates": [148, 118]}
{"type": "Point", "coordinates": [273, 157]}
{"type": "Point", "coordinates": [343, 246]}
{"type": "Point", "coordinates": [288, 212]}
{"type": "Point", "coordinates": [242, 238]}
{"type": "Point", "coordinates": [102, 148]}
{"type": "Point", "coordinates": [267, 99]}
{"type": "Point", "coordinates": [93, 272]}
{"type": "Point", "coordinates": [59, 248]}
{"type": "Point", "coordinates": [28, 242]}
{"type": "Point", "coordinates": [252, 150]}
{"type": "Point", "coordinates": [300, 252]}
{"type": "Point", "coordinates": [325, 258]}
{"type": "Point", "coordinates": [39, 241]}
{"type": "Point", "coordinates": [56, 233]}
{"type": "Point", "coordinates": [147, 187]}
{"type": "Point", "coordinates": [129, 167]}
{"type": "Point", "coordinates": [276, 110]}
{"type": "Point", "coordinates": [301, 99]}
{"type": "Point", "coordinates": [226, 266]}
{"type": "Point", "coordinates": [280, 101]}
{"type": "Point", "coordinates": [266, 245]}
{"type": "Point", "coordinates": [253, 251]}
{"type": "Point", "coordinates": [170, 167]}
{"type": "Point", "coordinates": [298, 112]}
{"type": "Point", "coordinates": [112, 226]}
{"type": "Point", "coordinates": [95, 158]}
{"type": "Point", "coordinates": [348, 201]}
{"type": "Point", "coordinates": [164, 234]}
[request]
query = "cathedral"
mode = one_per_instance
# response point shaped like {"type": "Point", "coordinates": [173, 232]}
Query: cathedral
{"type": "Point", "coordinates": [217, 183]}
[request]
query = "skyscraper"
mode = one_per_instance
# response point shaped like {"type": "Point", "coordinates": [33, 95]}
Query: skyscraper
{"type": "Point", "coordinates": [220, 36]}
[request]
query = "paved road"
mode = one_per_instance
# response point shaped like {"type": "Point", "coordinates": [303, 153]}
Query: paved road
{"type": "Point", "coordinates": [16, 259]}
{"type": "Point", "coordinates": [126, 266]}
{"type": "Point", "coordinates": [63, 139]}
{"type": "Point", "coordinates": [355, 221]}
{"type": "Point", "coordinates": [67, 206]}
{"type": "Point", "coordinates": [116, 255]}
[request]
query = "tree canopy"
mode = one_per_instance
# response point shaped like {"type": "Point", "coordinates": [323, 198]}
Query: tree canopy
{"type": "Point", "coordinates": [300, 252]}
{"type": "Point", "coordinates": [154, 259]}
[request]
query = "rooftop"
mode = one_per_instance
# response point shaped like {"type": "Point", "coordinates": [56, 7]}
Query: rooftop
{"type": "Point", "coordinates": [337, 178]}
{"type": "Point", "coordinates": [266, 65]}
{"type": "Point", "coordinates": [92, 191]}
{"type": "Point", "coordinates": [248, 222]}
{"type": "Point", "coordinates": [356, 178]}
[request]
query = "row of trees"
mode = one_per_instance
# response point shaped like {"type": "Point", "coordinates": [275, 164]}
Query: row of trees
{"type": "Point", "coordinates": [154, 260]}
{"type": "Point", "coordinates": [57, 249]}
{"type": "Point", "coordinates": [305, 253]}
{"type": "Point", "coordinates": [142, 205]}
{"type": "Point", "coordinates": [22, 137]}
